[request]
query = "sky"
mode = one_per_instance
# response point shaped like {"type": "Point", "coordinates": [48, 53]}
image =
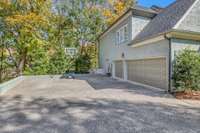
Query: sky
{"type": "Point", "coordinates": [149, 3]}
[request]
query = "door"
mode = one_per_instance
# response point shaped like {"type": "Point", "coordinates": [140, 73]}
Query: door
{"type": "Point", "coordinates": [152, 72]}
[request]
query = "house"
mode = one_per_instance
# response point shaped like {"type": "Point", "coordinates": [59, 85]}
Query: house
{"type": "Point", "coordinates": [142, 44]}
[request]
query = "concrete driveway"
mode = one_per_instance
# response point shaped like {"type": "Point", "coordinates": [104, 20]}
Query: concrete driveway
{"type": "Point", "coordinates": [93, 104]}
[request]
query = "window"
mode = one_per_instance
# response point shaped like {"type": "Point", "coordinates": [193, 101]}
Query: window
{"type": "Point", "coordinates": [122, 35]}
{"type": "Point", "coordinates": [117, 38]}
{"type": "Point", "coordinates": [125, 32]}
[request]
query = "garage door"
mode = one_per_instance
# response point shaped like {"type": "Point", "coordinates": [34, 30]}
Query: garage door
{"type": "Point", "coordinates": [148, 71]}
{"type": "Point", "coordinates": [119, 69]}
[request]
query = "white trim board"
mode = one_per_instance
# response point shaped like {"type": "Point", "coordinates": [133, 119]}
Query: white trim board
{"type": "Point", "coordinates": [148, 41]}
{"type": "Point", "coordinates": [147, 58]}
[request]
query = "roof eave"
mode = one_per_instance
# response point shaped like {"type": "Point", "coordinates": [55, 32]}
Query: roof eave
{"type": "Point", "coordinates": [144, 13]}
{"type": "Point", "coordinates": [174, 33]}
{"type": "Point", "coordinates": [137, 43]}
{"type": "Point", "coordinates": [183, 34]}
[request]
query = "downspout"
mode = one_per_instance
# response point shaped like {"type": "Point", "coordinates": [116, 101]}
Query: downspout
{"type": "Point", "coordinates": [170, 66]}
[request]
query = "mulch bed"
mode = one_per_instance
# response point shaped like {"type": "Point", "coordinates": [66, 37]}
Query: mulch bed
{"type": "Point", "coordinates": [193, 95]}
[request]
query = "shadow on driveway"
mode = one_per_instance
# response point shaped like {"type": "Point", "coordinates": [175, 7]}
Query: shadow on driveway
{"type": "Point", "coordinates": [93, 104]}
{"type": "Point", "coordinates": [42, 115]}
{"type": "Point", "coordinates": [99, 82]}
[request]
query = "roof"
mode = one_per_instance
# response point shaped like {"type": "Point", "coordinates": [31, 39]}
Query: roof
{"type": "Point", "coordinates": [139, 10]}
{"type": "Point", "coordinates": [157, 8]}
{"type": "Point", "coordinates": [165, 20]}
{"type": "Point", "coordinates": [145, 9]}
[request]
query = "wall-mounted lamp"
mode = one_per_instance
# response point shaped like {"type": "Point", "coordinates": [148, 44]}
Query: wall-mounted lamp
{"type": "Point", "coordinates": [123, 55]}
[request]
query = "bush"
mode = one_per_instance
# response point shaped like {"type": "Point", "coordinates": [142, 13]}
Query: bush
{"type": "Point", "coordinates": [186, 74]}
{"type": "Point", "coordinates": [59, 62]}
{"type": "Point", "coordinates": [83, 63]}
{"type": "Point", "coordinates": [38, 62]}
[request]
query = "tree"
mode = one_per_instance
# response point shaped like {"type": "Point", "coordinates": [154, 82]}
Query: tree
{"type": "Point", "coordinates": [116, 8]}
{"type": "Point", "coordinates": [86, 23]}
{"type": "Point", "coordinates": [186, 73]}
{"type": "Point", "coordinates": [34, 34]}
{"type": "Point", "coordinates": [86, 58]}
{"type": "Point", "coordinates": [5, 64]}
{"type": "Point", "coordinates": [2, 59]}
{"type": "Point", "coordinates": [26, 24]}
{"type": "Point", "coordinates": [86, 19]}
{"type": "Point", "coordinates": [59, 62]}
{"type": "Point", "coordinates": [38, 61]}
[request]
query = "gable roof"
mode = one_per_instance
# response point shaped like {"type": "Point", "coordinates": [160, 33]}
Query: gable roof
{"type": "Point", "coordinates": [165, 20]}
{"type": "Point", "coordinates": [137, 10]}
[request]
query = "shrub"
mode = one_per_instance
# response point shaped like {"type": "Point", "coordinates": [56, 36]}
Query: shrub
{"type": "Point", "coordinates": [37, 62]}
{"type": "Point", "coordinates": [83, 63]}
{"type": "Point", "coordinates": [186, 74]}
{"type": "Point", "coordinates": [59, 62]}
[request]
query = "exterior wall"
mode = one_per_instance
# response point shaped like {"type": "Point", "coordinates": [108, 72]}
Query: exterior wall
{"type": "Point", "coordinates": [191, 21]}
{"type": "Point", "coordinates": [138, 24]}
{"type": "Point", "coordinates": [178, 45]}
{"type": "Point", "coordinates": [109, 51]}
{"type": "Point", "coordinates": [108, 42]}
{"type": "Point", "coordinates": [113, 31]}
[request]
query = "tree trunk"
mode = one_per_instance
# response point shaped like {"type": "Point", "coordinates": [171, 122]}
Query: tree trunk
{"type": "Point", "coordinates": [1, 66]}
{"type": "Point", "coordinates": [21, 63]}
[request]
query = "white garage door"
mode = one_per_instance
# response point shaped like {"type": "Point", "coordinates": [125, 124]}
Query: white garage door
{"type": "Point", "coordinates": [119, 69]}
{"type": "Point", "coordinates": [148, 71]}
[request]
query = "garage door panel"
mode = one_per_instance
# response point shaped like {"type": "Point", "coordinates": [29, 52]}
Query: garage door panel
{"type": "Point", "coordinates": [148, 71]}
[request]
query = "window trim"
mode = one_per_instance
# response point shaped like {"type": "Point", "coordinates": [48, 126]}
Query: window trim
{"type": "Point", "coordinates": [122, 34]}
{"type": "Point", "coordinates": [126, 33]}
{"type": "Point", "coordinates": [117, 37]}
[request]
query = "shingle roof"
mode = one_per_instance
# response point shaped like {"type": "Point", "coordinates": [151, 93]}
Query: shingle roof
{"type": "Point", "coordinates": [142, 8]}
{"type": "Point", "coordinates": [165, 20]}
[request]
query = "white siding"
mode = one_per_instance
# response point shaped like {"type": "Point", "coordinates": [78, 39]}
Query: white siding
{"type": "Point", "coordinates": [110, 52]}
{"type": "Point", "coordinates": [191, 22]}
{"type": "Point", "coordinates": [138, 24]}
{"type": "Point", "coordinates": [179, 45]}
